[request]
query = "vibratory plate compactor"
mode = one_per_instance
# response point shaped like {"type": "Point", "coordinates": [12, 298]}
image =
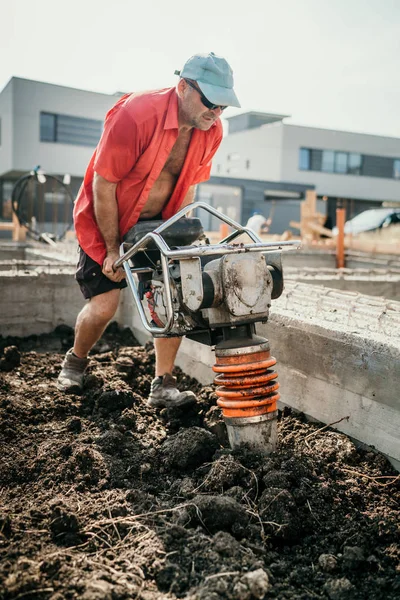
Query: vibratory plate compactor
{"type": "Point", "coordinates": [215, 295]}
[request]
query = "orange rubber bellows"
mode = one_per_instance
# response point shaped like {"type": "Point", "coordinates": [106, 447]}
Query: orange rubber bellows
{"type": "Point", "coordinates": [247, 385]}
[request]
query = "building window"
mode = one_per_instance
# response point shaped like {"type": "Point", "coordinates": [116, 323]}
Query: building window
{"type": "Point", "coordinates": [316, 160]}
{"type": "Point", "coordinates": [64, 129]}
{"type": "Point", "coordinates": [377, 166]}
{"type": "Point", "coordinates": [354, 163]}
{"type": "Point", "coordinates": [328, 161]}
{"type": "Point", "coordinates": [340, 162]}
{"type": "Point", "coordinates": [349, 163]}
{"type": "Point", "coordinates": [304, 159]}
{"type": "Point", "coordinates": [47, 127]}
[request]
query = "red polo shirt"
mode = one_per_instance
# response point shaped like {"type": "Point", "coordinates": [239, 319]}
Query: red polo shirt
{"type": "Point", "coordinates": [139, 133]}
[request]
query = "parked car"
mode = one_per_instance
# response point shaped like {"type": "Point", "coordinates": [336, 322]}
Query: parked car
{"type": "Point", "coordinates": [376, 219]}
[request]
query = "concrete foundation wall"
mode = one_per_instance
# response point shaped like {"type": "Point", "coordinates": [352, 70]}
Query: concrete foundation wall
{"type": "Point", "coordinates": [338, 356]}
{"type": "Point", "coordinates": [37, 302]}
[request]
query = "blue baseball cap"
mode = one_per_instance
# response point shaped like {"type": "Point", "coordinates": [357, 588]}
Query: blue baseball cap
{"type": "Point", "coordinates": [214, 77]}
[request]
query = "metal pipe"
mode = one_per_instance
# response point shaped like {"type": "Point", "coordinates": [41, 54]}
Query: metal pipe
{"type": "Point", "coordinates": [340, 221]}
{"type": "Point", "coordinates": [208, 250]}
{"type": "Point", "coordinates": [138, 302]}
{"type": "Point", "coordinates": [258, 246]}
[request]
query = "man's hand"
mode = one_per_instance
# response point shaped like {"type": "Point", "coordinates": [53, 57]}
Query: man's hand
{"type": "Point", "coordinates": [116, 275]}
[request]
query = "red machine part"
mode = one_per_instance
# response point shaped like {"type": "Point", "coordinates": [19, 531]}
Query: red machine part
{"type": "Point", "coordinates": [247, 385]}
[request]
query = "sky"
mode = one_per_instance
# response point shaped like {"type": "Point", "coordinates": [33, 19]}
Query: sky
{"type": "Point", "coordinates": [327, 63]}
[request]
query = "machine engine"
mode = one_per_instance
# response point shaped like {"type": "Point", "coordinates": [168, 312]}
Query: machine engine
{"type": "Point", "coordinates": [213, 294]}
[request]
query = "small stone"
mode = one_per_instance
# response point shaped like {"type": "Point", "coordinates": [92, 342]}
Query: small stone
{"type": "Point", "coordinates": [254, 584]}
{"type": "Point", "coordinates": [338, 589]}
{"type": "Point", "coordinates": [327, 562]}
{"type": "Point", "coordinates": [186, 487]}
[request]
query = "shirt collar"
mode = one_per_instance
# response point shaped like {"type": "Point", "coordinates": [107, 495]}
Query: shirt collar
{"type": "Point", "coordinates": [171, 120]}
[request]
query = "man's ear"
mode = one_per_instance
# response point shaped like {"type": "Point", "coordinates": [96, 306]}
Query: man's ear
{"type": "Point", "coordinates": [181, 87]}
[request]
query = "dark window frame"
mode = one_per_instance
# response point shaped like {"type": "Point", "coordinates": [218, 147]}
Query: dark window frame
{"type": "Point", "coordinates": [355, 170]}
{"type": "Point", "coordinates": [61, 132]}
{"type": "Point", "coordinates": [54, 127]}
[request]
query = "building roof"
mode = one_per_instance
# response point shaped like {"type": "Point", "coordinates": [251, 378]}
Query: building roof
{"type": "Point", "coordinates": [58, 85]}
{"type": "Point", "coordinates": [252, 120]}
{"type": "Point", "coordinates": [266, 117]}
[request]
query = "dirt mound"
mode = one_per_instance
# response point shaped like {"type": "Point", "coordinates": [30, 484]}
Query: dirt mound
{"type": "Point", "coordinates": [103, 498]}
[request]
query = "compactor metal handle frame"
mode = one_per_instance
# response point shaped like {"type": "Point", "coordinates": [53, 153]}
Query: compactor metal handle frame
{"type": "Point", "coordinates": [223, 247]}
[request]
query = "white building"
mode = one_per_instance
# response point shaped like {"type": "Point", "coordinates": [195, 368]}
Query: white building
{"type": "Point", "coordinates": [53, 126]}
{"type": "Point", "coordinates": [263, 164]}
{"type": "Point", "coordinates": [362, 170]}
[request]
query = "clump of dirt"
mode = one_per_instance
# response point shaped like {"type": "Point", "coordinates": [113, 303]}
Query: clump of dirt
{"type": "Point", "coordinates": [104, 498]}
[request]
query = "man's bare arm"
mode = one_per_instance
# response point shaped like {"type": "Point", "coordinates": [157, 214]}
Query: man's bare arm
{"type": "Point", "coordinates": [189, 198]}
{"type": "Point", "coordinates": [106, 213]}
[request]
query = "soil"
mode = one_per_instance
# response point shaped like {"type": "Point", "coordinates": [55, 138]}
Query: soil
{"type": "Point", "coordinates": [104, 498]}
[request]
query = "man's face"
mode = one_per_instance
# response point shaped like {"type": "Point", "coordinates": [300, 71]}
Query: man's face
{"type": "Point", "coordinates": [194, 113]}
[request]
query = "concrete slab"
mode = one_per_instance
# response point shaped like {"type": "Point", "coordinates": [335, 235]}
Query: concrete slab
{"type": "Point", "coordinates": [339, 356]}
{"type": "Point", "coordinates": [371, 282]}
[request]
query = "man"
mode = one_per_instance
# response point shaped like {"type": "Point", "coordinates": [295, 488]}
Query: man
{"type": "Point", "coordinates": [155, 148]}
{"type": "Point", "coordinates": [258, 223]}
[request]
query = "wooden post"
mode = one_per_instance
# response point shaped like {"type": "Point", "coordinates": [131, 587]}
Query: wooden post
{"type": "Point", "coordinates": [340, 221]}
{"type": "Point", "coordinates": [223, 230]}
{"type": "Point", "coordinates": [308, 209]}
{"type": "Point", "coordinates": [19, 231]}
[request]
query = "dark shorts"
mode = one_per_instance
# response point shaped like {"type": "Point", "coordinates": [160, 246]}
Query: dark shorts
{"type": "Point", "coordinates": [91, 279]}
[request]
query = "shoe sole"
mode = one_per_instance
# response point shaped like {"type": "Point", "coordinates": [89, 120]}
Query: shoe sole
{"type": "Point", "coordinates": [162, 404]}
{"type": "Point", "coordinates": [73, 389]}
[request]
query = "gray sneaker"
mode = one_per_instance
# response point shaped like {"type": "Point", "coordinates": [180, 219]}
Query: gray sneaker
{"type": "Point", "coordinates": [164, 394]}
{"type": "Point", "coordinates": [73, 368]}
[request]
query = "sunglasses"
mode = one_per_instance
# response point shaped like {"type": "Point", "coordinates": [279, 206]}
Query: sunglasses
{"type": "Point", "coordinates": [203, 99]}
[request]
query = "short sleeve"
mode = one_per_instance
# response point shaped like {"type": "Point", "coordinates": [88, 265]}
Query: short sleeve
{"type": "Point", "coordinates": [204, 170]}
{"type": "Point", "coordinates": [118, 149]}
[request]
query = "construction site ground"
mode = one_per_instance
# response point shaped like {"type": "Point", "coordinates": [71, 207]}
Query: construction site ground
{"type": "Point", "coordinates": [103, 498]}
